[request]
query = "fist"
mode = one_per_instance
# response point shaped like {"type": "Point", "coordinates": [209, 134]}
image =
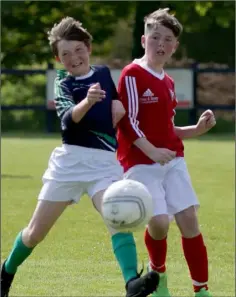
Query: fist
{"type": "Point", "coordinates": [206, 121]}
{"type": "Point", "coordinates": [95, 94]}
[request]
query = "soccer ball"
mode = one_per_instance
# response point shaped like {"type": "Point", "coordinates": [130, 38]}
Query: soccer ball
{"type": "Point", "coordinates": [127, 205]}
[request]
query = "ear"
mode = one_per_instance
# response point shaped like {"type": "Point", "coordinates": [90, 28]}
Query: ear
{"type": "Point", "coordinates": [57, 59]}
{"type": "Point", "coordinates": [176, 46]}
{"type": "Point", "coordinates": [143, 41]}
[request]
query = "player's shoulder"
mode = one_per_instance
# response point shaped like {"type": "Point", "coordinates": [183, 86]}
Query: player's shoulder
{"type": "Point", "coordinates": [101, 68]}
{"type": "Point", "coordinates": [169, 78]}
{"type": "Point", "coordinates": [62, 77]}
{"type": "Point", "coordinates": [132, 69]}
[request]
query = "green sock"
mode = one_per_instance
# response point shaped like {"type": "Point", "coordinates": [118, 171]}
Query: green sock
{"type": "Point", "coordinates": [124, 248]}
{"type": "Point", "coordinates": [18, 255]}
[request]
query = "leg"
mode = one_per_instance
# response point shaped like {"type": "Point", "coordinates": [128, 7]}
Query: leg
{"type": "Point", "coordinates": [155, 236]}
{"type": "Point", "coordinates": [44, 217]}
{"type": "Point", "coordinates": [124, 248]}
{"type": "Point", "coordinates": [182, 202]}
{"type": "Point", "coordinates": [156, 233]}
{"type": "Point", "coordinates": [123, 245]}
{"type": "Point", "coordinates": [156, 240]}
{"type": "Point", "coordinates": [194, 249]}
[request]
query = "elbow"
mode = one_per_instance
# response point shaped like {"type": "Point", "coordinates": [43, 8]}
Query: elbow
{"type": "Point", "coordinates": [67, 117]}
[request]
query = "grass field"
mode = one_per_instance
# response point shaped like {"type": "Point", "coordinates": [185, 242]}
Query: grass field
{"type": "Point", "coordinates": [76, 258]}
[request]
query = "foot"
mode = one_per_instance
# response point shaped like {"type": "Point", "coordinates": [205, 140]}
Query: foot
{"type": "Point", "coordinates": [6, 281]}
{"type": "Point", "coordinates": [203, 293]}
{"type": "Point", "coordinates": [162, 290]}
{"type": "Point", "coordinates": [142, 286]}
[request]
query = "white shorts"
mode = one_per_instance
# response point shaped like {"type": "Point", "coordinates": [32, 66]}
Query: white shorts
{"type": "Point", "coordinates": [74, 170]}
{"type": "Point", "coordinates": [170, 185]}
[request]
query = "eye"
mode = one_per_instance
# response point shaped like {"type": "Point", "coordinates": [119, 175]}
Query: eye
{"type": "Point", "coordinates": [64, 54]}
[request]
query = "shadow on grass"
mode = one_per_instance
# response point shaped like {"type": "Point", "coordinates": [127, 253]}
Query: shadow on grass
{"type": "Point", "coordinates": [12, 176]}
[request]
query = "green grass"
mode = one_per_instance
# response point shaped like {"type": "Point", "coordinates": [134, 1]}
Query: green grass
{"type": "Point", "coordinates": [76, 258]}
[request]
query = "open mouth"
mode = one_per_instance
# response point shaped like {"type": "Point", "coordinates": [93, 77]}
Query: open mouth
{"type": "Point", "coordinates": [160, 53]}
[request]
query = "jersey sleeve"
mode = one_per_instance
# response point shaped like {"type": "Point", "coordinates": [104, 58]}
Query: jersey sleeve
{"type": "Point", "coordinates": [64, 101]}
{"type": "Point", "coordinates": [128, 94]}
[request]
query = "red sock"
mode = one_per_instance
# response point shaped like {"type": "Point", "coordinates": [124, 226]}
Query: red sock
{"type": "Point", "coordinates": [157, 250]}
{"type": "Point", "coordinates": [196, 256]}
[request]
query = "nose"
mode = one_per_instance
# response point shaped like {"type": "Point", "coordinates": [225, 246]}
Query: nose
{"type": "Point", "coordinates": [75, 57]}
{"type": "Point", "coordinates": [161, 43]}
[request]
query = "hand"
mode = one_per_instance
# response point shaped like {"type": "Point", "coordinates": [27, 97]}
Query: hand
{"type": "Point", "coordinates": [205, 122]}
{"type": "Point", "coordinates": [162, 155]}
{"type": "Point", "coordinates": [118, 111]}
{"type": "Point", "coordinates": [95, 94]}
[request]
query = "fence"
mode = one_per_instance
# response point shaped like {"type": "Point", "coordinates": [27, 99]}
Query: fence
{"type": "Point", "coordinates": [186, 83]}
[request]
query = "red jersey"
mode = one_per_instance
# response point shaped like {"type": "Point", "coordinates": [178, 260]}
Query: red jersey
{"type": "Point", "coordinates": [149, 100]}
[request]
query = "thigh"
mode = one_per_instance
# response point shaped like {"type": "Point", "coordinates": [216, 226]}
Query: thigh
{"type": "Point", "coordinates": [57, 191]}
{"type": "Point", "coordinates": [45, 215]}
{"type": "Point", "coordinates": [180, 194]}
{"type": "Point", "coordinates": [146, 175]}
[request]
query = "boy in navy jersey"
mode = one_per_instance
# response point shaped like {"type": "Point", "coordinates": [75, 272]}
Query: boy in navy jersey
{"type": "Point", "coordinates": [87, 105]}
{"type": "Point", "coordinates": [151, 150]}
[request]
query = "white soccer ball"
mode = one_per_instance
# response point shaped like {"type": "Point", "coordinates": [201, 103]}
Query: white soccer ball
{"type": "Point", "coordinates": [127, 205]}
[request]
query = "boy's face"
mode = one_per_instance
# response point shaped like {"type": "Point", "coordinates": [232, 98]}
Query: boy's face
{"type": "Point", "coordinates": [74, 55]}
{"type": "Point", "coordinates": [159, 44]}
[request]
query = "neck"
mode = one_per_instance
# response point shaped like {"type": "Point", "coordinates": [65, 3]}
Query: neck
{"type": "Point", "coordinates": [158, 68]}
{"type": "Point", "coordinates": [85, 72]}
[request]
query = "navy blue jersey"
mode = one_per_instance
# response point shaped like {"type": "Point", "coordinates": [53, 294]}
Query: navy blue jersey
{"type": "Point", "coordinates": [95, 129]}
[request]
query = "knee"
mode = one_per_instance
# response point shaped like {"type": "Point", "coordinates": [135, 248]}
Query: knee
{"type": "Point", "coordinates": [32, 236]}
{"type": "Point", "coordinates": [158, 227]}
{"type": "Point", "coordinates": [187, 222]}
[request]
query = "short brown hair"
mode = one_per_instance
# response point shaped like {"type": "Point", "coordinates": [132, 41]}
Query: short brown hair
{"type": "Point", "coordinates": [164, 18]}
{"type": "Point", "coordinates": [68, 29]}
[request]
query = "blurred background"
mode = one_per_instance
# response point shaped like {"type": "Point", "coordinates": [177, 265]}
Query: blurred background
{"type": "Point", "coordinates": [203, 66]}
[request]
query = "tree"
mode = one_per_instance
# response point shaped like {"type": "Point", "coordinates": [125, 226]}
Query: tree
{"type": "Point", "coordinates": [25, 26]}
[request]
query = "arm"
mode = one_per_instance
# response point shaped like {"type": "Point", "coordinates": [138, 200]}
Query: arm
{"type": "Point", "coordinates": [145, 146]}
{"type": "Point", "coordinates": [204, 124]}
{"type": "Point", "coordinates": [65, 106]}
{"type": "Point", "coordinates": [66, 109]}
{"type": "Point", "coordinates": [128, 94]}
{"type": "Point", "coordinates": [117, 107]}
{"type": "Point", "coordinates": [186, 132]}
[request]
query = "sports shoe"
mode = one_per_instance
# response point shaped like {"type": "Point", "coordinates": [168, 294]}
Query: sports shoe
{"type": "Point", "coordinates": [6, 281]}
{"type": "Point", "coordinates": [203, 293]}
{"type": "Point", "coordinates": [162, 290]}
{"type": "Point", "coordinates": [142, 286]}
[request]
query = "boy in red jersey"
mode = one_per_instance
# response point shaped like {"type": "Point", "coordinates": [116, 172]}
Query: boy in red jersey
{"type": "Point", "coordinates": [151, 150]}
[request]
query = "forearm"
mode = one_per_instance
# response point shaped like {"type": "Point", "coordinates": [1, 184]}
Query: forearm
{"type": "Point", "coordinates": [145, 146]}
{"type": "Point", "coordinates": [187, 132]}
{"type": "Point", "coordinates": [80, 110]}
